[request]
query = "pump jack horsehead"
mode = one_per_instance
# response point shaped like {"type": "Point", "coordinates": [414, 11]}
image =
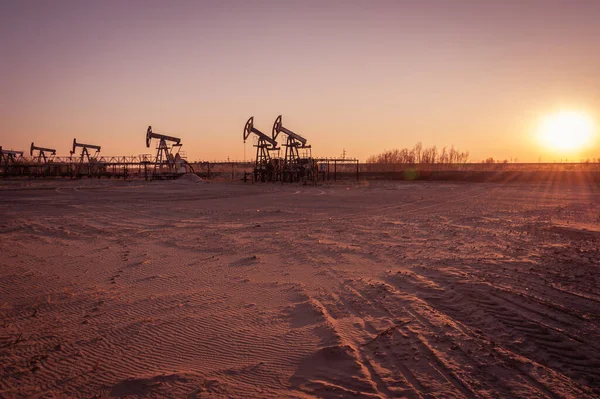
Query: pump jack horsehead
{"type": "Point", "coordinates": [265, 168]}
{"type": "Point", "coordinates": [295, 166]}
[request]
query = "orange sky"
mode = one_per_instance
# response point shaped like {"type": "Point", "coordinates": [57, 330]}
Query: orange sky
{"type": "Point", "coordinates": [361, 76]}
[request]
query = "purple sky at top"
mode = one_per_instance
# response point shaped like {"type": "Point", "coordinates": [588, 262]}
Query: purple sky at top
{"type": "Point", "coordinates": [361, 75]}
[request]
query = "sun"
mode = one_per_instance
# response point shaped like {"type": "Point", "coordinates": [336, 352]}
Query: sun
{"type": "Point", "coordinates": [566, 131]}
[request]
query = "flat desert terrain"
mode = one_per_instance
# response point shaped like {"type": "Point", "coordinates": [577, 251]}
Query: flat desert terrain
{"type": "Point", "coordinates": [180, 289]}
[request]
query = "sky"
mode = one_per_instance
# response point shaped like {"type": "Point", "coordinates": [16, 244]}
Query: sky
{"type": "Point", "coordinates": [360, 76]}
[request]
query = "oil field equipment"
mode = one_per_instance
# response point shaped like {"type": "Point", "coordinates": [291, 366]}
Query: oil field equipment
{"type": "Point", "coordinates": [10, 161]}
{"type": "Point", "coordinates": [296, 166]}
{"type": "Point", "coordinates": [39, 165]}
{"type": "Point", "coordinates": [85, 153]}
{"type": "Point", "coordinates": [165, 155]}
{"type": "Point", "coordinates": [10, 156]}
{"type": "Point", "coordinates": [265, 168]}
{"type": "Point", "coordinates": [88, 164]}
{"type": "Point", "coordinates": [41, 153]}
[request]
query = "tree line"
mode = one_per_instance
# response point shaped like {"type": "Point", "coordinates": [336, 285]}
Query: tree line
{"type": "Point", "coordinates": [420, 155]}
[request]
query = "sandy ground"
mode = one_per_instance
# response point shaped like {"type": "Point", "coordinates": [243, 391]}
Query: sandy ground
{"type": "Point", "coordinates": [417, 290]}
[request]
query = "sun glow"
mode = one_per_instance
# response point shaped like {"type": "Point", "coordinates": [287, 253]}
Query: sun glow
{"type": "Point", "coordinates": [566, 131]}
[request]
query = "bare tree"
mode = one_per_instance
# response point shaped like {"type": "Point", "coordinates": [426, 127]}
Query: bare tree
{"type": "Point", "coordinates": [420, 155]}
{"type": "Point", "coordinates": [418, 150]}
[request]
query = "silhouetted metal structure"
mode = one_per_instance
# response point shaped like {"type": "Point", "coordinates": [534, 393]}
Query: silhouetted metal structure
{"type": "Point", "coordinates": [167, 162]}
{"type": "Point", "coordinates": [88, 164]}
{"type": "Point", "coordinates": [10, 155]}
{"type": "Point", "coordinates": [329, 168]}
{"type": "Point", "coordinates": [41, 158]}
{"type": "Point", "coordinates": [10, 159]}
{"type": "Point", "coordinates": [266, 167]}
{"type": "Point", "coordinates": [296, 166]}
{"type": "Point", "coordinates": [85, 161]}
{"type": "Point", "coordinates": [42, 153]}
{"type": "Point", "coordinates": [85, 153]}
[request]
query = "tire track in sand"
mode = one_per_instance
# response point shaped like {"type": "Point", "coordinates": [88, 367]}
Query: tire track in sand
{"type": "Point", "coordinates": [515, 328]}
